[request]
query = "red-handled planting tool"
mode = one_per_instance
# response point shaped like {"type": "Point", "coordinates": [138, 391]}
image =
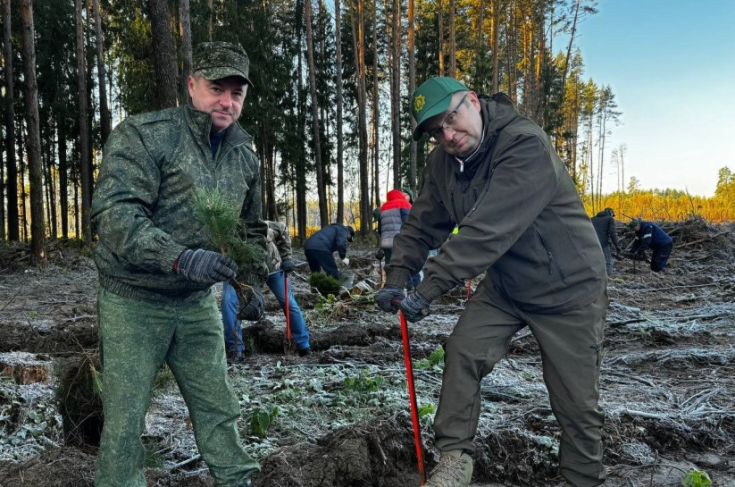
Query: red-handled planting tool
{"type": "Point", "coordinates": [412, 395]}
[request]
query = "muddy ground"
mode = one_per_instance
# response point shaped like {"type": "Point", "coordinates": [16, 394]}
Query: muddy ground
{"type": "Point", "coordinates": [341, 417]}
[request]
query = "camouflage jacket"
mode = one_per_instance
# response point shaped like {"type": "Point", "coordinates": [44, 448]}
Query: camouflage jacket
{"type": "Point", "coordinates": [279, 245]}
{"type": "Point", "coordinates": [143, 208]}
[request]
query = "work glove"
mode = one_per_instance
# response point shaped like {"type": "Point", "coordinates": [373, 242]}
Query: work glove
{"type": "Point", "coordinates": [346, 262]}
{"type": "Point", "coordinates": [205, 266]}
{"type": "Point", "coordinates": [389, 297]}
{"type": "Point", "coordinates": [380, 254]}
{"type": "Point", "coordinates": [254, 309]}
{"type": "Point", "coordinates": [415, 307]}
{"type": "Point", "coordinates": [288, 265]}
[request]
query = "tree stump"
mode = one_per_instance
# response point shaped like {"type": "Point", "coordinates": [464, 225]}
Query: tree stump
{"type": "Point", "coordinates": [25, 368]}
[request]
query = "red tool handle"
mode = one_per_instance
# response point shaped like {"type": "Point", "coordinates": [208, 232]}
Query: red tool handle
{"type": "Point", "coordinates": [288, 302]}
{"type": "Point", "coordinates": [412, 396]}
{"type": "Point", "coordinates": [469, 288]}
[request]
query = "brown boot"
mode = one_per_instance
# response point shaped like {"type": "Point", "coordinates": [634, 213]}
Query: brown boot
{"type": "Point", "coordinates": [454, 470]}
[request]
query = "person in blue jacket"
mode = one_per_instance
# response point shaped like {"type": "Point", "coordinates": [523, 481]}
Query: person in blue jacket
{"type": "Point", "coordinates": [650, 236]}
{"type": "Point", "coordinates": [321, 246]}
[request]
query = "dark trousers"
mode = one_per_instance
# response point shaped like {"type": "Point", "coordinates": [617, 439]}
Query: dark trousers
{"type": "Point", "coordinates": [660, 257]}
{"type": "Point", "coordinates": [571, 351]}
{"type": "Point", "coordinates": [322, 260]}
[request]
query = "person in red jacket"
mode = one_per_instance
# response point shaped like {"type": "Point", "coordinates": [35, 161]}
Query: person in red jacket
{"type": "Point", "coordinates": [393, 214]}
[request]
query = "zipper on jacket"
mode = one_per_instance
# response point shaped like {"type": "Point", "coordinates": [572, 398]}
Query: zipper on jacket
{"type": "Point", "coordinates": [550, 255]}
{"type": "Point", "coordinates": [454, 208]}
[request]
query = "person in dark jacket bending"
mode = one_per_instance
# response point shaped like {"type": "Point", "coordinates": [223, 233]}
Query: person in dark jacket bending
{"type": "Point", "coordinates": [604, 223]}
{"type": "Point", "coordinates": [522, 223]}
{"type": "Point", "coordinates": [321, 246]}
{"type": "Point", "coordinates": [650, 236]}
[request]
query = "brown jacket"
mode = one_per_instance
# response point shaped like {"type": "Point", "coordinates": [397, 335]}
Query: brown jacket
{"type": "Point", "coordinates": [519, 215]}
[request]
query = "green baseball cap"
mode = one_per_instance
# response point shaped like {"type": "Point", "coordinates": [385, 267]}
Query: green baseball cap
{"type": "Point", "coordinates": [633, 223]}
{"type": "Point", "coordinates": [217, 60]}
{"type": "Point", "coordinates": [432, 98]}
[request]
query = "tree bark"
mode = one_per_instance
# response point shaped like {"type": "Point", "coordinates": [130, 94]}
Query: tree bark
{"type": "Point", "coordinates": [452, 40]}
{"type": "Point", "coordinates": [186, 49]}
{"type": "Point", "coordinates": [165, 54]}
{"type": "Point", "coordinates": [105, 123]}
{"type": "Point", "coordinates": [496, 44]}
{"type": "Point", "coordinates": [84, 138]}
{"type": "Point", "coordinates": [376, 110]}
{"type": "Point", "coordinates": [396, 93]}
{"type": "Point", "coordinates": [33, 143]}
{"type": "Point", "coordinates": [358, 27]}
{"type": "Point", "coordinates": [12, 173]}
{"type": "Point", "coordinates": [440, 35]}
{"type": "Point", "coordinates": [321, 187]}
{"type": "Point", "coordinates": [340, 142]}
{"type": "Point", "coordinates": [63, 185]}
{"type": "Point", "coordinates": [411, 89]}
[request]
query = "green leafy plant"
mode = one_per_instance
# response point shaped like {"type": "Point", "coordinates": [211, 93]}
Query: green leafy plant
{"type": "Point", "coordinates": [435, 360]}
{"type": "Point", "coordinates": [696, 478]}
{"type": "Point", "coordinates": [363, 383]}
{"type": "Point", "coordinates": [261, 420]}
{"type": "Point", "coordinates": [426, 413]}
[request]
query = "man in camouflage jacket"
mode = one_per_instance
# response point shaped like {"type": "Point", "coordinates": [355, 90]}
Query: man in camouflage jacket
{"type": "Point", "coordinates": [155, 302]}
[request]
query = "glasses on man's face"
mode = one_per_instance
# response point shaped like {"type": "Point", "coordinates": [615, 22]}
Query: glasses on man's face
{"type": "Point", "coordinates": [436, 135]}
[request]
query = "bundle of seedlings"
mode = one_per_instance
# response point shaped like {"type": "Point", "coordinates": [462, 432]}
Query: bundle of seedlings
{"type": "Point", "coordinates": [225, 231]}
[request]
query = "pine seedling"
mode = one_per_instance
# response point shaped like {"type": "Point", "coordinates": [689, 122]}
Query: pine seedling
{"type": "Point", "coordinates": [224, 230]}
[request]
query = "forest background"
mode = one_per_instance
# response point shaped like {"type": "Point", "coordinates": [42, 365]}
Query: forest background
{"type": "Point", "coordinates": [329, 110]}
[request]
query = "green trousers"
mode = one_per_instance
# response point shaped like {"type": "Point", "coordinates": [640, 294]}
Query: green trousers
{"type": "Point", "coordinates": [136, 337]}
{"type": "Point", "coordinates": [571, 352]}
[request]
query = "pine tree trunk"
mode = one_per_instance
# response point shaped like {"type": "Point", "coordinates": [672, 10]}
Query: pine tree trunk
{"type": "Point", "coordinates": [84, 138]}
{"type": "Point", "coordinates": [365, 212]}
{"type": "Point", "coordinates": [186, 49]}
{"type": "Point", "coordinates": [12, 173]}
{"type": "Point", "coordinates": [496, 45]}
{"type": "Point", "coordinates": [340, 142]}
{"type": "Point", "coordinates": [440, 35]}
{"type": "Point", "coordinates": [411, 89]}
{"type": "Point", "coordinates": [165, 54]}
{"type": "Point", "coordinates": [321, 188]}
{"type": "Point", "coordinates": [396, 92]}
{"type": "Point", "coordinates": [35, 171]}
{"type": "Point", "coordinates": [376, 111]}
{"type": "Point", "coordinates": [452, 40]}
{"type": "Point", "coordinates": [105, 123]}
{"type": "Point", "coordinates": [63, 185]}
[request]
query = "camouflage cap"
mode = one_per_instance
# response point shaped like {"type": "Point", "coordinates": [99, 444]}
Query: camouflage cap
{"type": "Point", "coordinates": [217, 60]}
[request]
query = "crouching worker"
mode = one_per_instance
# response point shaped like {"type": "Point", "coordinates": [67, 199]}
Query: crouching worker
{"type": "Point", "coordinates": [280, 263]}
{"type": "Point", "coordinates": [650, 236]}
{"type": "Point", "coordinates": [321, 246]}
{"type": "Point", "coordinates": [521, 221]}
{"type": "Point", "coordinates": [155, 303]}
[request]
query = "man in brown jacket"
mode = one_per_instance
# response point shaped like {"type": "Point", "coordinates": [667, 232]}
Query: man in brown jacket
{"type": "Point", "coordinates": [495, 174]}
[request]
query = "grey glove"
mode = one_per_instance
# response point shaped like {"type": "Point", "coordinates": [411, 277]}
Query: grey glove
{"type": "Point", "coordinates": [205, 266]}
{"type": "Point", "coordinates": [288, 265]}
{"type": "Point", "coordinates": [254, 309]}
{"type": "Point", "coordinates": [389, 297]}
{"type": "Point", "coordinates": [415, 307]}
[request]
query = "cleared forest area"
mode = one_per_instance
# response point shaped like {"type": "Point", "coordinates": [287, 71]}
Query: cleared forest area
{"type": "Point", "coordinates": [341, 417]}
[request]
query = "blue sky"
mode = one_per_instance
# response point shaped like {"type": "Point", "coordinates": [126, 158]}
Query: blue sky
{"type": "Point", "coordinates": [671, 66]}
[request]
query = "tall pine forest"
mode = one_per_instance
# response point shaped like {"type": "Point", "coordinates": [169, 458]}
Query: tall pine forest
{"type": "Point", "coordinates": [329, 110]}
